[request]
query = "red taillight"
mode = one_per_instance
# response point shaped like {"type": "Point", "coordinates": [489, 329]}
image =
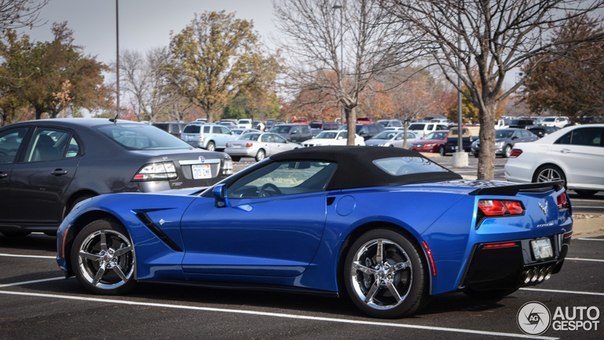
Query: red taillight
{"type": "Point", "coordinates": [500, 207]}
{"type": "Point", "coordinates": [516, 153]}
{"type": "Point", "coordinates": [562, 201]}
{"type": "Point", "coordinates": [500, 245]}
{"type": "Point", "coordinates": [249, 145]}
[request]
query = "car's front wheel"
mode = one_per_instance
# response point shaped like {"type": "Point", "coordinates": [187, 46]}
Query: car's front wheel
{"type": "Point", "coordinates": [384, 274]}
{"type": "Point", "coordinates": [211, 146]}
{"type": "Point", "coordinates": [102, 258]}
{"type": "Point", "coordinates": [507, 151]}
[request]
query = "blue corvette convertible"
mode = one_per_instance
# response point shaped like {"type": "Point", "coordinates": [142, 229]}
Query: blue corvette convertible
{"type": "Point", "coordinates": [385, 227]}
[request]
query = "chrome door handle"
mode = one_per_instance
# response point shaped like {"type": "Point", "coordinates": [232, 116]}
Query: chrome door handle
{"type": "Point", "coordinates": [565, 151]}
{"type": "Point", "coordinates": [59, 172]}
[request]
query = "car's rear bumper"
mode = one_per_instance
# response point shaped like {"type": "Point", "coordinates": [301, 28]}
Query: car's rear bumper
{"type": "Point", "coordinates": [512, 264]}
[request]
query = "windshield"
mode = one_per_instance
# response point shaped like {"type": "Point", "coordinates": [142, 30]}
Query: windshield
{"type": "Point", "coordinates": [416, 126]}
{"type": "Point", "coordinates": [249, 136]}
{"type": "Point", "coordinates": [504, 134]}
{"type": "Point", "coordinates": [281, 129]}
{"type": "Point", "coordinates": [436, 135]}
{"type": "Point", "coordinates": [549, 119]}
{"type": "Point", "coordinates": [327, 135]}
{"type": "Point", "coordinates": [386, 135]}
{"type": "Point", "coordinates": [142, 137]}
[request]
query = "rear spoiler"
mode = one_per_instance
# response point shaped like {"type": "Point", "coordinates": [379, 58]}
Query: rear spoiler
{"type": "Point", "coordinates": [512, 190]}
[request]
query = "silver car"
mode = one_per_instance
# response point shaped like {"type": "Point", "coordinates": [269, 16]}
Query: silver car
{"type": "Point", "coordinates": [258, 145]}
{"type": "Point", "coordinates": [392, 138]}
{"type": "Point", "coordinates": [207, 136]}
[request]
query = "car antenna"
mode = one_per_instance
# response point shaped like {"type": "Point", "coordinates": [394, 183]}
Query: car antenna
{"type": "Point", "coordinates": [114, 119]}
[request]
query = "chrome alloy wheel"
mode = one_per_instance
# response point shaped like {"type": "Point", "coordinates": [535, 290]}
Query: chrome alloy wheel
{"type": "Point", "coordinates": [106, 259]}
{"type": "Point", "coordinates": [549, 174]}
{"type": "Point", "coordinates": [382, 274]}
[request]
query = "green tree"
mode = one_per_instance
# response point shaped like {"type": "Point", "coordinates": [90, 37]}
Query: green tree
{"type": "Point", "coordinates": [216, 57]}
{"type": "Point", "coordinates": [569, 80]}
{"type": "Point", "coordinates": [51, 76]}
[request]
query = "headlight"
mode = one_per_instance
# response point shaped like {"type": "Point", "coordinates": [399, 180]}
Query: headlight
{"type": "Point", "coordinates": [499, 144]}
{"type": "Point", "coordinates": [156, 172]}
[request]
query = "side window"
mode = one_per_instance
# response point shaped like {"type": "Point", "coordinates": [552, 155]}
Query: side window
{"type": "Point", "coordinates": [430, 127]}
{"type": "Point", "coordinates": [225, 130]}
{"type": "Point", "coordinates": [587, 136]}
{"type": "Point", "coordinates": [283, 178]}
{"type": "Point", "coordinates": [266, 138]}
{"type": "Point", "coordinates": [51, 145]}
{"type": "Point", "coordinates": [10, 141]}
{"type": "Point", "coordinates": [564, 139]}
{"type": "Point", "coordinates": [206, 129]}
{"type": "Point", "coordinates": [279, 139]}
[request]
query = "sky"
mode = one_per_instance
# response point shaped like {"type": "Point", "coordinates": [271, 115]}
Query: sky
{"type": "Point", "coordinates": [143, 24]}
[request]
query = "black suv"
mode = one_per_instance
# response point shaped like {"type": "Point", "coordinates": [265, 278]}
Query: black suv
{"type": "Point", "coordinates": [296, 133]}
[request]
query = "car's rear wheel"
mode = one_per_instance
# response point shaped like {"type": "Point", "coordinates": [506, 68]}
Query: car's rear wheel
{"type": "Point", "coordinates": [441, 150]}
{"type": "Point", "coordinates": [102, 258]}
{"type": "Point", "coordinates": [260, 155]}
{"type": "Point", "coordinates": [549, 173]}
{"type": "Point", "coordinates": [384, 274]}
{"type": "Point", "coordinates": [586, 193]}
{"type": "Point", "coordinates": [211, 146]}
{"type": "Point", "coordinates": [507, 151]}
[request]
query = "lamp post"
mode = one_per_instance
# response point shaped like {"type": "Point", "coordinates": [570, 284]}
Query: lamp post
{"type": "Point", "coordinates": [460, 158]}
{"type": "Point", "coordinates": [341, 8]}
{"type": "Point", "coordinates": [117, 59]}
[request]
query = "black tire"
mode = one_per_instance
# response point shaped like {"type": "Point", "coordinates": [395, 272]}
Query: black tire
{"type": "Point", "coordinates": [211, 146]}
{"type": "Point", "coordinates": [441, 150]}
{"type": "Point", "coordinates": [492, 295]}
{"type": "Point", "coordinates": [507, 151]}
{"type": "Point", "coordinates": [549, 173]}
{"type": "Point", "coordinates": [586, 193]}
{"type": "Point", "coordinates": [260, 155]}
{"type": "Point", "coordinates": [400, 272]}
{"type": "Point", "coordinates": [235, 158]}
{"type": "Point", "coordinates": [107, 269]}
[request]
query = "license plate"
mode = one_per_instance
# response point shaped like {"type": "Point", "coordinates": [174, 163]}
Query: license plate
{"type": "Point", "coordinates": [542, 248]}
{"type": "Point", "coordinates": [201, 171]}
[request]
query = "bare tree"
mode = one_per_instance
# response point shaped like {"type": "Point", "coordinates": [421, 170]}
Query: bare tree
{"type": "Point", "coordinates": [352, 39]}
{"type": "Point", "coordinates": [151, 94]}
{"type": "Point", "coordinates": [488, 38]}
{"type": "Point", "coordinates": [20, 13]}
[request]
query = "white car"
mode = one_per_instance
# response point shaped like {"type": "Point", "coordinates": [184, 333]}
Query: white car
{"type": "Point", "coordinates": [392, 138]}
{"type": "Point", "coordinates": [574, 154]}
{"type": "Point", "coordinates": [559, 122]}
{"type": "Point", "coordinates": [244, 123]}
{"type": "Point", "coordinates": [332, 137]}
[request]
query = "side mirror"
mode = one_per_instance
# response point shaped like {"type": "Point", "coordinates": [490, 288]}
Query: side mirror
{"type": "Point", "coordinates": [220, 197]}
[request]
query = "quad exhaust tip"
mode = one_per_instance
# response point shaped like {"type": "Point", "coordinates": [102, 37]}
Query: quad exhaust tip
{"type": "Point", "coordinates": [537, 275]}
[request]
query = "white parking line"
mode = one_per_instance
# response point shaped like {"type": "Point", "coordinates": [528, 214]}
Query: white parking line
{"type": "Point", "coordinates": [277, 315]}
{"type": "Point", "coordinates": [562, 291]}
{"type": "Point", "coordinates": [32, 281]}
{"type": "Point", "coordinates": [28, 256]}
{"type": "Point", "coordinates": [585, 260]}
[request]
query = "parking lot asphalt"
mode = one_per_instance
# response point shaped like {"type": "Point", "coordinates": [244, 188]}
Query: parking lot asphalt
{"type": "Point", "coordinates": [37, 302]}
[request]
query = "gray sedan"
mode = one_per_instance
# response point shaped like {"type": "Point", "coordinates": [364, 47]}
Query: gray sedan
{"type": "Point", "coordinates": [505, 140]}
{"type": "Point", "coordinates": [392, 138]}
{"type": "Point", "coordinates": [258, 145]}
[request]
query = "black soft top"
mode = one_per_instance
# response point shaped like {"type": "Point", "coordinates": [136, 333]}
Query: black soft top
{"type": "Point", "coordinates": [356, 168]}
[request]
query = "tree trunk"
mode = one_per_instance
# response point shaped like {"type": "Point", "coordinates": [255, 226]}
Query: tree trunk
{"type": "Point", "coordinates": [486, 161]}
{"type": "Point", "coordinates": [351, 122]}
